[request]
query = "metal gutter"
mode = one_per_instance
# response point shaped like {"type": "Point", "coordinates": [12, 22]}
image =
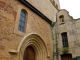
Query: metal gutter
{"type": "Point", "coordinates": [27, 4]}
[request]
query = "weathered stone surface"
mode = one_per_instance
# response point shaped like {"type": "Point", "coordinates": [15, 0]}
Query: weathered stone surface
{"type": "Point", "coordinates": [10, 36]}
{"type": "Point", "coordinates": [72, 28]}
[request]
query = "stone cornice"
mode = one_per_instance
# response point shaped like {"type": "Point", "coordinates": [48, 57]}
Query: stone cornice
{"type": "Point", "coordinates": [55, 5]}
{"type": "Point", "coordinates": [36, 11]}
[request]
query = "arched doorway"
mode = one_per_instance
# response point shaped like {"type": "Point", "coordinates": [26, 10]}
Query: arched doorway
{"type": "Point", "coordinates": [35, 45]}
{"type": "Point", "coordinates": [29, 53]}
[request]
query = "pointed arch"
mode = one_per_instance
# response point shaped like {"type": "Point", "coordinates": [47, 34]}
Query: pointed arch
{"type": "Point", "coordinates": [36, 42]}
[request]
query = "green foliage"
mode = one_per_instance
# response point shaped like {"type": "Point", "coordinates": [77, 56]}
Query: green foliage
{"type": "Point", "coordinates": [65, 50]}
{"type": "Point", "coordinates": [52, 25]}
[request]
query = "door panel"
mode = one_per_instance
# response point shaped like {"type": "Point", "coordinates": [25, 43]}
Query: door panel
{"type": "Point", "coordinates": [66, 57]}
{"type": "Point", "coordinates": [29, 53]}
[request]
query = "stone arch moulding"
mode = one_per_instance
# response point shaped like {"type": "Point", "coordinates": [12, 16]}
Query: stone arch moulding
{"type": "Point", "coordinates": [36, 42]}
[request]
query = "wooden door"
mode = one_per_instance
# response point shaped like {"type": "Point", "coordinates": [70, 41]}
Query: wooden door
{"type": "Point", "coordinates": [66, 57]}
{"type": "Point", "coordinates": [29, 53]}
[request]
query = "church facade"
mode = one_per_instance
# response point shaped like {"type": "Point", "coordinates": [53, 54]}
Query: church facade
{"type": "Point", "coordinates": [25, 29]}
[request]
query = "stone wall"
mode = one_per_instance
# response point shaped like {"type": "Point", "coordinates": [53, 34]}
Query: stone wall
{"type": "Point", "coordinates": [10, 36]}
{"type": "Point", "coordinates": [46, 8]}
{"type": "Point", "coordinates": [72, 27]}
{"type": "Point", "coordinates": [7, 21]}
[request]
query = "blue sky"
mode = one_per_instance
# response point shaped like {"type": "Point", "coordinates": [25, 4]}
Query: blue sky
{"type": "Point", "coordinates": [73, 6]}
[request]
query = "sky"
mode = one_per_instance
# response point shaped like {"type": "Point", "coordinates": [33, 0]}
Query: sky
{"type": "Point", "coordinates": [72, 6]}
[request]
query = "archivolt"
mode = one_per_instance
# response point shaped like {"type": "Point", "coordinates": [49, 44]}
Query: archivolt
{"type": "Point", "coordinates": [37, 43]}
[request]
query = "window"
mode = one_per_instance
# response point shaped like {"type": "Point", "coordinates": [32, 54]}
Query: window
{"type": "Point", "coordinates": [22, 21]}
{"type": "Point", "coordinates": [61, 18]}
{"type": "Point", "coordinates": [64, 39]}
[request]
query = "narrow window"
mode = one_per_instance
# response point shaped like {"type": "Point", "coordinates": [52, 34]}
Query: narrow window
{"type": "Point", "coordinates": [22, 21]}
{"type": "Point", "coordinates": [61, 18]}
{"type": "Point", "coordinates": [64, 39]}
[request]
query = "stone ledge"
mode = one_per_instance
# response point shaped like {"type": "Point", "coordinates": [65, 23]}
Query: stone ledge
{"type": "Point", "coordinates": [13, 51]}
